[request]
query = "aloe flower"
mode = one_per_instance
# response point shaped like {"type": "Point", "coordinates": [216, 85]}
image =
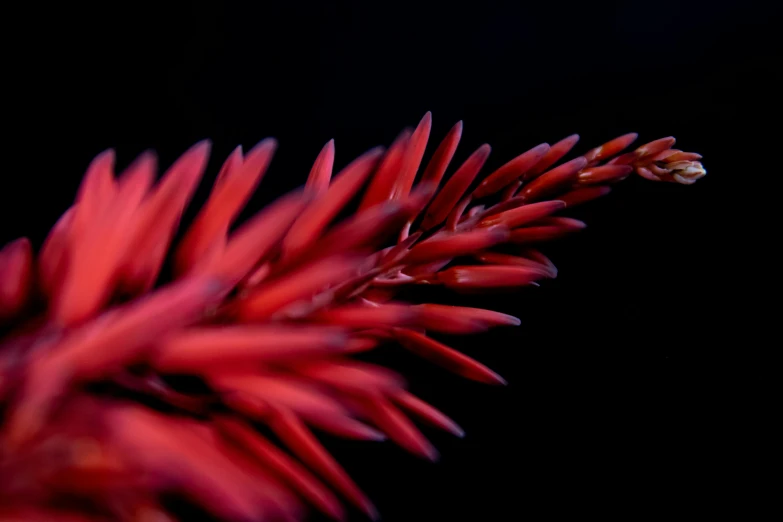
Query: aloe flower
{"type": "Point", "coordinates": [268, 315]}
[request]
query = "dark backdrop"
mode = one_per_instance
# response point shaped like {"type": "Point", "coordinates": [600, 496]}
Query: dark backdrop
{"type": "Point", "coordinates": [611, 403]}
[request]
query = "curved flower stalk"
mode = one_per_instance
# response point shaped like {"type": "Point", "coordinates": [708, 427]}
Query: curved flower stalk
{"type": "Point", "coordinates": [268, 315]}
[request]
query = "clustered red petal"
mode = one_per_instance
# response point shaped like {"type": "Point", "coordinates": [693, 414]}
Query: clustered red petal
{"type": "Point", "coordinates": [269, 315]}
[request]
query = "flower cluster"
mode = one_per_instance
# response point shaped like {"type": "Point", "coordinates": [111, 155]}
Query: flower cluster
{"type": "Point", "coordinates": [268, 315]}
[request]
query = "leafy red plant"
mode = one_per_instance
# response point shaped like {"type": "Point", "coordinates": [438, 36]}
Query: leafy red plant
{"type": "Point", "coordinates": [269, 315]}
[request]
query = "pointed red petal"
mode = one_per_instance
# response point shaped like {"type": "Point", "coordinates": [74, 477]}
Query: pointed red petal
{"type": "Point", "coordinates": [476, 277]}
{"type": "Point", "coordinates": [321, 173]}
{"type": "Point", "coordinates": [555, 154]}
{"type": "Point", "coordinates": [514, 169]}
{"type": "Point", "coordinates": [495, 258]}
{"type": "Point", "coordinates": [363, 316]}
{"type": "Point", "coordinates": [230, 166]}
{"type": "Point", "coordinates": [353, 377]}
{"type": "Point", "coordinates": [523, 215]}
{"type": "Point", "coordinates": [383, 182]}
{"type": "Point", "coordinates": [54, 253]}
{"type": "Point", "coordinates": [583, 195]}
{"type": "Point", "coordinates": [131, 328]}
{"type": "Point", "coordinates": [269, 298]}
{"type": "Point", "coordinates": [95, 192]}
{"type": "Point", "coordinates": [227, 199]}
{"type": "Point", "coordinates": [16, 276]}
{"type": "Point", "coordinates": [315, 218]}
{"type": "Point", "coordinates": [451, 245]}
{"type": "Point", "coordinates": [654, 147]}
{"type": "Point", "coordinates": [604, 174]}
{"type": "Point", "coordinates": [254, 239]}
{"type": "Point", "coordinates": [553, 181]}
{"type": "Point", "coordinates": [160, 215]}
{"type": "Point", "coordinates": [413, 157]}
{"type": "Point", "coordinates": [96, 258]}
{"type": "Point", "coordinates": [284, 466]}
{"type": "Point", "coordinates": [427, 413]}
{"type": "Point", "coordinates": [443, 155]}
{"type": "Point", "coordinates": [460, 319]}
{"type": "Point", "coordinates": [545, 232]}
{"type": "Point", "coordinates": [206, 348]}
{"type": "Point", "coordinates": [449, 358]}
{"type": "Point", "coordinates": [299, 439]}
{"type": "Point", "coordinates": [610, 148]}
{"type": "Point", "coordinates": [684, 156]}
{"type": "Point", "coordinates": [399, 429]}
{"type": "Point", "coordinates": [365, 230]}
{"type": "Point", "coordinates": [304, 400]}
{"type": "Point", "coordinates": [454, 189]}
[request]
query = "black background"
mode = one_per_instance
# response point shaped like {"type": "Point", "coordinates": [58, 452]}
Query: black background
{"type": "Point", "coordinates": [611, 404]}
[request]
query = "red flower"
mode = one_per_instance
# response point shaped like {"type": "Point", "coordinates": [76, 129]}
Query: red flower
{"type": "Point", "coordinates": [268, 314]}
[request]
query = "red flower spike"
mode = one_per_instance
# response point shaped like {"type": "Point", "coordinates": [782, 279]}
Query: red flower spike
{"type": "Point", "coordinates": [270, 315]}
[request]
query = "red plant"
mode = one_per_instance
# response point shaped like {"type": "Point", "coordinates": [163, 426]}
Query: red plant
{"type": "Point", "coordinates": [268, 315]}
